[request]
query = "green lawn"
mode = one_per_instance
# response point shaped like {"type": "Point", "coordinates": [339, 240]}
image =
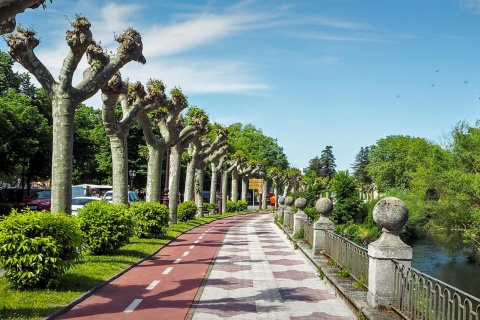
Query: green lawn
{"type": "Point", "coordinates": [92, 271]}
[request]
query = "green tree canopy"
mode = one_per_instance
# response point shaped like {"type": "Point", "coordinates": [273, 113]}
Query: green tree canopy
{"type": "Point", "coordinates": [255, 146]}
{"type": "Point", "coordinates": [394, 160]}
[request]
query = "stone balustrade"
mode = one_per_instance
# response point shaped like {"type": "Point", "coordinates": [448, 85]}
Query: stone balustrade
{"type": "Point", "coordinates": [390, 214]}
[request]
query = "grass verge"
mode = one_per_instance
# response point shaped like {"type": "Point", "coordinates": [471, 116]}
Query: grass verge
{"type": "Point", "coordinates": [90, 272]}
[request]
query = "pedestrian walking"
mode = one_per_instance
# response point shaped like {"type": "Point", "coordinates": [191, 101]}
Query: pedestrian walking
{"type": "Point", "coordinates": [272, 202]}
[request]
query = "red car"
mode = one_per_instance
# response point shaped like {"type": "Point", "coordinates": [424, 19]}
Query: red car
{"type": "Point", "coordinates": [40, 200]}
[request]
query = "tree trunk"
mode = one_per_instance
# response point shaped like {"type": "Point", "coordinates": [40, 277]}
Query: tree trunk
{"type": "Point", "coordinates": [224, 190]}
{"type": "Point", "coordinates": [244, 188]}
{"type": "Point", "coordinates": [118, 145]}
{"type": "Point", "coordinates": [154, 175]}
{"type": "Point", "coordinates": [189, 179]}
{"type": "Point", "coordinates": [213, 183]}
{"type": "Point", "coordinates": [199, 191]}
{"type": "Point", "coordinates": [174, 181]}
{"type": "Point", "coordinates": [62, 154]}
{"type": "Point", "coordinates": [235, 185]}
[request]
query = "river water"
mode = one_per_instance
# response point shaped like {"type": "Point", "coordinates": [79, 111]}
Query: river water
{"type": "Point", "coordinates": [430, 259]}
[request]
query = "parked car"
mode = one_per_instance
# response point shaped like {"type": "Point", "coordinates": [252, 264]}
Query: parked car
{"type": "Point", "coordinates": [79, 202]}
{"type": "Point", "coordinates": [39, 200]}
{"type": "Point", "coordinates": [132, 197]}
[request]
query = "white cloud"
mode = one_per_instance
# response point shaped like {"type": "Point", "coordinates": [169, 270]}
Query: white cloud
{"type": "Point", "coordinates": [199, 76]}
{"type": "Point", "coordinates": [473, 5]}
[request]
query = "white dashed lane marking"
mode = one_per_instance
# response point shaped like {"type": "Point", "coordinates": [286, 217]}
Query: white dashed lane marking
{"type": "Point", "coordinates": [153, 284]}
{"type": "Point", "coordinates": [196, 241]}
{"type": "Point", "coordinates": [167, 271]}
{"type": "Point", "coordinates": [185, 254]}
{"type": "Point", "coordinates": [132, 306]}
{"type": "Point", "coordinates": [191, 247]}
{"type": "Point", "coordinates": [177, 261]}
{"type": "Point", "coordinates": [201, 237]}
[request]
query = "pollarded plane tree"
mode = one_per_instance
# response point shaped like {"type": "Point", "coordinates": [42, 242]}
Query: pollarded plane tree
{"type": "Point", "coordinates": [169, 122]}
{"type": "Point", "coordinates": [235, 176]}
{"type": "Point", "coordinates": [198, 119]}
{"type": "Point", "coordinates": [198, 149]}
{"type": "Point", "coordinates": [134, 101]}
{"type": "Point", "coordinates": [208, 151]}
{"type": "Point", "coordinates": [65, 96]}
{"type": "Point", "coordinates": [10, 8]}
{"type": "Point", "coordinates": [291, 180]}
{"type": "Point", "coordinates": [275, 175]}
{"type": "Point", "coordinates": [229, 166]}
{"type": "Point", "coordinates": [216, 167]}
{"type": "Point", "coordinates": [247, 171]}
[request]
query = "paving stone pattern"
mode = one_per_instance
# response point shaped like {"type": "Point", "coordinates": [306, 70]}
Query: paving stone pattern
{"type": "Point", "coordinates": [264, 278]}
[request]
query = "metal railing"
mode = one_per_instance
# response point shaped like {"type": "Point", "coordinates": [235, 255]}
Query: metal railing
{"type": "Point", "coordinates": [348, 255]}
{"type": "Point", "coordinates": [307, 231]}
{"type": "Point", "coordinates": [420, 296]}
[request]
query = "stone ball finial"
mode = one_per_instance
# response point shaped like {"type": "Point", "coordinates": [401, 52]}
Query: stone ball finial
{"type": "Point", "coordinates": [390, 214]}
{"type": "Point", "coordinates": [281, 200]}
{"type": "Point", "coordinates": [324, 206]}
{"type": "Point", "coordinates": [288, 201]}
{"type": "Point", "coordinates": [301, 203]}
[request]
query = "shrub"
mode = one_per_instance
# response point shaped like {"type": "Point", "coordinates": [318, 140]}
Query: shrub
{"type": "Point", "coordinates": [5, 209]}
{"type": "Point", "coordinates": [106, 227]}
{"type": "Point", "coordinates": [210, 206]}
{"type": "Point", "coordinates": [36, 247]}
{"type": "Point", "coordinates": [150, 219]}
{"type": "Point", "coordinates": [231, 206]}
{"type": "Point", "coordinates": [242, 205]}
{"type": "Point", "coordinates": [186, 211]}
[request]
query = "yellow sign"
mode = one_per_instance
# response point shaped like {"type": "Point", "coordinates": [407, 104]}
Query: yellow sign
{"type": "Point", "coordinates": [255, 184]}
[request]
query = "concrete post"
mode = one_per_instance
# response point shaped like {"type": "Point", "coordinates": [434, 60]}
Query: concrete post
{"type": "Point", "coordinates": [288, 212]}
{"type": "Point", "coordinates": [300, 203]}
{"type": "Point", "coordinates": [324, 207]}
{"type": "Point", "coordinates": [281, 207]}
{"type": "Point", "coordinates": [390, 214]}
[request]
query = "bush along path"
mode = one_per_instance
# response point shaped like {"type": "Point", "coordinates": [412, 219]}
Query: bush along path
{"type": "Point", "coordinates": [163, 286]}
{"type": "Point", "coordinates": [41, 288]}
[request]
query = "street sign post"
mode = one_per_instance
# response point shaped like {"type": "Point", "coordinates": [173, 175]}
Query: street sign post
{"type": "Point", "coordinates": [255, 184]}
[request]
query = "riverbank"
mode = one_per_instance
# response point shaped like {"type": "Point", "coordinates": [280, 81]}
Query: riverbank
{"type": "Point", "coordinates": [432, 260]}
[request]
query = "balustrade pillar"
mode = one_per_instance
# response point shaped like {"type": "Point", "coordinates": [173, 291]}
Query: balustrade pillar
{"type": "Point", "coordinates": [301, 204]}
{"type": "Point", "coordinates": [281, 207]}
{"type": "Point", "coordinates": [288, 213]}
{"type": "Point", "coordinates": [390, 214]}
{"type": "Point", "coordinates": [323, 225]}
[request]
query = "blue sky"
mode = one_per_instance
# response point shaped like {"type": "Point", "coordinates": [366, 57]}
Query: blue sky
{"type": "Point", "coordinates": [309, 73]}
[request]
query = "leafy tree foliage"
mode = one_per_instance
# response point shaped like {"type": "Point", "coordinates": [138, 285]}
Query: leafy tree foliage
{"type": "Point", "coordinates": [347, 206]}
{"type": "Point", "coordinates": [255, 146]}
{"type": "Point", "coordinates": [25, 136]}
{"type": "Point", "coordinates": [394, 160]}
{"type": "Point", "coordinates": [454, 177]}
{"type": "Point", "coordinates": [327, 163]}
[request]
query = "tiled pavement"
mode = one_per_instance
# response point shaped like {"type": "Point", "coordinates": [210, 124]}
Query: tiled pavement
{"type": "Point", "coordinates": [258, 275]}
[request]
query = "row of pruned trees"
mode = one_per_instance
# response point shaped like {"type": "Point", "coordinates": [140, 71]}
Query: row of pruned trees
{"type": "Point", "coordinates": [171, 127]}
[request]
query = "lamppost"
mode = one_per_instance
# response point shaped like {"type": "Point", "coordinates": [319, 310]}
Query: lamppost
{"type": "Point", "coordinates": [25, 163]}
{"type": "Point", "coordinates": [131, 174]}
{"type": "Point", "coordinates": [167, 174]}
{"type": "Point", "coordinates": [261, 174]}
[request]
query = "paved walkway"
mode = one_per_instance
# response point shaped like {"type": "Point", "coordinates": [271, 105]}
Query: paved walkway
{"type": "Point", "coordinates": [256, 275]}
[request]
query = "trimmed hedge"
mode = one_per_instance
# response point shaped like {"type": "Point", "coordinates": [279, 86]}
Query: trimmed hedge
{"type": "Point", "coordinates": [150, 219]}
{"type": "Point", "coordinates": [36, 247]}
{"type": "Point", "coordinates": [105, 227]}
{"type": "Point", "coordinates": [186, 211]}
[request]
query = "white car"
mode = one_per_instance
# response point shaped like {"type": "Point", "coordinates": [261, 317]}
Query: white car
{"type": "Point", "coordinates": [132, 197]}
{"type": "Point", "coordinates": [80, 202]}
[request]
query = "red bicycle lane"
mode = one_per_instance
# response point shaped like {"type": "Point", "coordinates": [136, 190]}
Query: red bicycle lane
{"type": "Point", "coordinates": [163, 286]}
